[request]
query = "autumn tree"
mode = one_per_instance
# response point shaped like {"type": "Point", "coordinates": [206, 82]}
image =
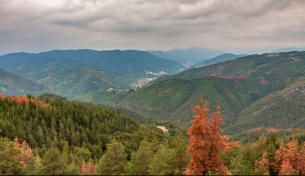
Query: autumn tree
{"type": "Point", "coordinates": [279, 157]}
{"type": "Point", "coordinates": [292, 155]}
{"type": "Point", "coordinates": [9, 163]}
{"type": "Point", "coordinates": [86, 169]}
{"type": "Point", "coordinates": [206, 143]}
{"type": "Point", "coordinates": [286, 169]}
{"type": "Point", "coordinates": [262, 165]}
{"type": "Point", "coordinates": [301, 165]}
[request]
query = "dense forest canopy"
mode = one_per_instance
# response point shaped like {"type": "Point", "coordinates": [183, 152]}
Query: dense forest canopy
{"type": "Point", "coordinates": [74, 139]}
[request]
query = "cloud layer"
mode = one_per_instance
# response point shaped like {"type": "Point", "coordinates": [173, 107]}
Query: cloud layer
{"type": "Point", "coordinates": [239, 25]}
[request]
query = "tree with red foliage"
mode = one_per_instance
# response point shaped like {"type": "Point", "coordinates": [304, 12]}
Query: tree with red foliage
{"type": "Point", "coordinates": [262, 165]}
{"type": "Point", "coordinates": [279, 157]}
{"type": "Point", "coordinates": [91, 168]}
{"type": "Point", "coordinates": [293, 155]}
{"type": "Point", "coordinates": [88, 169]}
{"type": "Point", "coordinates": [286, 169]}
{"type": "Point", "coordinates": [206, 143]}
{"type": "Point", "coordinates": [82, 169]}
{"type": "Point", "coordinates": [301, 165]}
{"type": "Point", "coordinates": [290, 161]}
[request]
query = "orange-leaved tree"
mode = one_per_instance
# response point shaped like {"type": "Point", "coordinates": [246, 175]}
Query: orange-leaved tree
{"type": "Point", "coordinates": [206, 143]}
{"type": "Point", "coordinates": [262, 165]}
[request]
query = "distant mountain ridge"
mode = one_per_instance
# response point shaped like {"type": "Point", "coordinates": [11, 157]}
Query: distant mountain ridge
{"type": "Point", "coordinates": [74, 73]}
{"type": "Point", "coordinates": [129, 61]}
{"type": "Point", "coordinates": [65, 77]}
{"type": "Point", "coordinates": [188, 56]}
{"type": "Point", "coordinates": [220, 58]}
{"type": "Point", "coordinates": [289, 49]}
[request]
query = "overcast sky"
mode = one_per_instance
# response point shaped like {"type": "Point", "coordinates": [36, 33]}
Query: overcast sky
{"type": "Point", "coordinates": [227, 25]}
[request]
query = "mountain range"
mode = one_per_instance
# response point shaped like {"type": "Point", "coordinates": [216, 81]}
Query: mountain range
{"type": "Point", "coordinates": [253, 91]}
{"type": "Point", "coordinates": [247, 89]}
{"type": "Point", "coordinates": [188, 56]}
{"type": "Point", "coordinates": [287, 49]}
{"type": "Point", "coordinates": [220, 58]}
{"type": "Point", "coordinates": [74, 73]}
{"type": "Point", "coordinates": [128, 61]}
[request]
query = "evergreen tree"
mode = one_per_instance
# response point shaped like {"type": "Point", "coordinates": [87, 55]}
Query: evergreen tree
{"type": "Point", "coordinates": [113, 161]}
{"type": "Point", "coordinates": [286, 169]}
{"type": "Point", "coordinates": [140, 160]}
{"type": "Point", "coordinates": [181, 159]}
{"type": "Point", "coordinates": [53, 164]}
{"type": "Point", "coordinates": [9, 163]}
{"type": "Point", "coordinates": [163, 161]}
{"type": "Point", "coordinates": [262, 165]}
{"type": "Point", "coordinates": [206, 143]}
{"type": "Point", "coordinates": [279, 157]}
{"type": "Point", "coordinates": [239, 166]}
{"type": "Point", "coordinates": [292, 155]}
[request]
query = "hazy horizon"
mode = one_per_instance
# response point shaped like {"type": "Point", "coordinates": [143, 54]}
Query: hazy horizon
{"type": "Point", "coordinates": [229, 26]}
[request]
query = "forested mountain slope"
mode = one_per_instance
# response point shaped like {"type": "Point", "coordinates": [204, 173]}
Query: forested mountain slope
{"type": "Point", "coordinates": [291, 62]}
{"type": "Point", "coordinates": [235, 86]}
{"type": "Point", "coordinates": [42, 125]}
{"type": "Point", "coordinates": [131, 61]}
{"type": "Point", "coordinates": [64, 77]}
{"type": "Point", "coordinates": [220, 58]}
{"type": "Point", "coordinates": [281, 109]}
{"type": "Point", "coordinates": [12, 84]}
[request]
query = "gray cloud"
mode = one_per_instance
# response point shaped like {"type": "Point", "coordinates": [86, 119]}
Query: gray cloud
{"type": "Point", "coordinates": [35, 25]}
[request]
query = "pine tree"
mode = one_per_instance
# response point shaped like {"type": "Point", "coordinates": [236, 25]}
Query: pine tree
{"type": "Point", "coordinates": [239, 166]}
{"type": "Point", "coordinates": [52, 163]}
{"type": "Point", "coordinates": [181, 159]}
{"type": "Point", "coordinates": [9, 162]}
{"type": "Point", "coordinates": [286, 169]}
{"type": "Point", "coordinates": [301, 165]}
{"type": "Point", "coordinates": [292, 155]}
{"type": "Point", "coordinates": [141, 159]}
{"type": "Point", "coordinates": [163, 161]}
{"type": "Point", "coordinates": [82, 169]}
{"type": "Point", "coordinates": [279, 157]}
{"type": "Point", "coordinates": [113, 161]}
{"type": "Point", "coordinates": [91, 168]}
{"type": "Point", "coordinates": [206, 143]}
{"type": "Point", "coordinates": [262, 165]}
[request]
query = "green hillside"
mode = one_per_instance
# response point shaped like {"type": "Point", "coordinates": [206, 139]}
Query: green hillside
{"type": "Point", "coordinates": [130, 61]}
{"type": "Point", "coordinates": [99, 97]}
{"type": "Point", "coordinates": [70, 82]}
{"type": "Point", "coordinates": [64, 77]}
{"type": "Point", "coordinates": [239, 90]}
{"type": "Point", "coordinates": [220, 58]}
{"type": "Point", "coordinates": [157, 63]}
{"type": "Point", "coordinates": [280, 110]}
{"type": "Point", "coordinates": [68, 122]}
{"type": "Point", "coordinates": [12, 84]}
{"type": "Point", "coordinates": [25, 63]}
{"type": "Point", "coordinates": [172, 99]}
{"type": "Point", "coordinates": [291, 62]}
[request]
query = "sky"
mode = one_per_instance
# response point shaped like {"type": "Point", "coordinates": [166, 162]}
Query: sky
{"type": "Point", "coordinates": [236, 26]}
